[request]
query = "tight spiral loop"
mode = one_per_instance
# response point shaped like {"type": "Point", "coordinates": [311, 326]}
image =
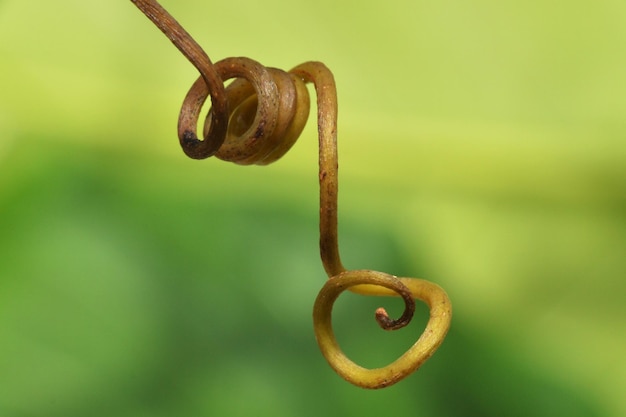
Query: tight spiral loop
{"type": "Point", "coordinates": [267, 110]}
{"type": "Point", "coordinates": [256, 120]}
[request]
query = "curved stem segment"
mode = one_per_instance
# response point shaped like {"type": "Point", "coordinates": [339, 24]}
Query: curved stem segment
{"type": "Point", "coordinates": [364, 281]}
{"type": "Point", "coordinates": [326, 91]}
{"type": "Point", "coordinates": [192, 146]}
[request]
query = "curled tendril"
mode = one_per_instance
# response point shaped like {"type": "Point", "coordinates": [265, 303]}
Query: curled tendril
{"type": "Point", "coordinates": [255, 120]}
{"type": "Point", "coordinates": [373, 281]}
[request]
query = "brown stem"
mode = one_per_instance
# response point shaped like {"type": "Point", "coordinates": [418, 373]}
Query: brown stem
{"type": "Point", "coordinates": [192, 146]}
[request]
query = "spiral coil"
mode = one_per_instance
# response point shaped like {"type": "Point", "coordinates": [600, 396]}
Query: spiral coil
{"type": "Point", "coordinates": [268, 109]}
{"type": "Point", "coordinates": [255, 120]}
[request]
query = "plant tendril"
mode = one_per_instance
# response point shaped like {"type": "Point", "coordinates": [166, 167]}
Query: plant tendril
{"type": "Point", "coordinates": [255, 120]}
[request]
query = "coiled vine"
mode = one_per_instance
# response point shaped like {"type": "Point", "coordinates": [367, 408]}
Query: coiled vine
{"type": "Point", "coordinates": [255, 120]}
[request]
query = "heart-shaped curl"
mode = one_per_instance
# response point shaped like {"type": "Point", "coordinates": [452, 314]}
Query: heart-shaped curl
{"type": "Point", "coordinates": [379, 283]}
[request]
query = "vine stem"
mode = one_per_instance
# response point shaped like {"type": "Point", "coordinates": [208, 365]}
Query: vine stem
{"type": "Point", "coordinates": [326, 91]}
{"type": "Point", "coordinates": [192, 146]}
{"type": "Point", "coordinates": [267, 109]}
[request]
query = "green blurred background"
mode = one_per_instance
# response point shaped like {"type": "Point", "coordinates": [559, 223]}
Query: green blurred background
{"type": "Point", "coordinates": [482, 146]}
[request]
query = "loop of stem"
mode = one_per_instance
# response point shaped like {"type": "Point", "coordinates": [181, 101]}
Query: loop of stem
{"type": "Point", "coordinates": [375, 283]}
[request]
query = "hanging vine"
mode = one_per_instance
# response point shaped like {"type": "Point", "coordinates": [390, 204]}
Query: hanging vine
{"type": "Point", "coordinates": [256, 120]}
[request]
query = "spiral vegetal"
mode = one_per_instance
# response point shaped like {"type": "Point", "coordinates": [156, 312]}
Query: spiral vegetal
{"type": "Point", "coordinates": [255, 120]}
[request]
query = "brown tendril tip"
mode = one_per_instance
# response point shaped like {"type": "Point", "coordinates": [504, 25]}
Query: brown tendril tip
{"type": "Point", "coordinates": [255, 120]}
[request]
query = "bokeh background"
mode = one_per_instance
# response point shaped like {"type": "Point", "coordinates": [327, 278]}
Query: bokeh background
{"type": "Point", "coordinates": [482, 146]}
